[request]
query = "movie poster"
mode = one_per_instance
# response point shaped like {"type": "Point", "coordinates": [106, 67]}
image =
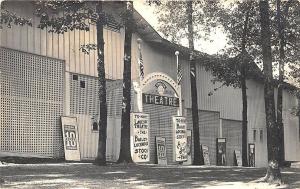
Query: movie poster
{"type": "Point", "coordinates": [139, 137]}
{"type": "Point", "coordinates": [70, 138]}
{"type": "Point", "coordinates": [180, 141]}
{"type": "Point", "coordinates": [161, 150]}
{"type": "Point", "coordinates": [205, 153]}
{"type": "Point", "coordinates": [221, 151]}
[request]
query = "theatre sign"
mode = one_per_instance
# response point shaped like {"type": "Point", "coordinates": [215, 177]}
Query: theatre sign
{"type": "Point", "coordinates": [160, 100]}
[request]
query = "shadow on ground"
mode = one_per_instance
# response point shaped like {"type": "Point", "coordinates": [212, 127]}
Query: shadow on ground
{"type": "Point", "coordinates": [68, 175]}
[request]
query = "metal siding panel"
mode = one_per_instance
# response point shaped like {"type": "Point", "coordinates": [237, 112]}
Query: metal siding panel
{"type": "Point", "coordinates": [232, 131]}
{"type": "Point", "coordinates": [93, 62]}
{"type": "Point", "coordinates": [23, 37]}
{"type": "Point", "coordinates": [61, 46]}
{"type": "Point", "coordinates": [37, 37]}
{"type": "Point", "coordinates": [209, 130]}
{"type": "Point", "coordinates": [82, 62]}
{"type": "Point", "coordinates": [161, 125]}
{"type": "Point", "coordinates": [55, 46]}
{"type": "Point", "coordinates": [72, 61]}
{"type": "Point", "coordinates": [256, 120]}
{"type": "Point", "coordinates": [49, 47]}
{"type": "Point", "coordinates": [76, 51]}
{"type": "Point", "coordinates": [67, 50]}
{"type": "Point", "coordinates": [30, 39]}
{"type": "Point", "coordinates": [87, 56]}
{"type": "Point", "coordinates": [43, 40]}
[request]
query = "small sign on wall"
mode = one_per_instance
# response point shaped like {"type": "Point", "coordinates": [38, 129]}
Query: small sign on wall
{"type": "Point", "coordinates": [221, 151]}
{"type": "Point", "coordinates": [161, 150]}
{"type": "Point", "coordinates": [205, 153]}
{"type": "Point", "coordinates": [139, 137]}
{"type": "Point", "coordinates": [70, 137]}
{"type": "Point", "coordinates": [180, 141]}
{"type": "Point", "coordinates": [238, 158]}
{"type": "Point", "coordinates": [251, 148]}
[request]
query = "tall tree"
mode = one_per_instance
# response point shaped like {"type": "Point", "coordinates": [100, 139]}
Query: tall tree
{"type": "Point", "coordinates": [273, 172]}
{"type": "Point", "coordinates": [125, 153]}
{"type": "Point", "coordinates": [101, 155]}
{"type": "Point", "coordinates": [197, 160]}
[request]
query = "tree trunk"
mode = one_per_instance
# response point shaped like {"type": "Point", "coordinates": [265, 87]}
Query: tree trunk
{"type": "Point", "coordinates": [280, 85]}
{"type": "Point", "coordinates": [244, 117]}
{"type": "Point", "coordinates": [198, 159]}
{"type": "Point", "coordinates": [125, 155]}
{"type": "Point", "coordinates": [101, 156]}
{"type": "Point", "coordinates": [273, 172]}
{"type": "Point", "coordinates": [244, 93]}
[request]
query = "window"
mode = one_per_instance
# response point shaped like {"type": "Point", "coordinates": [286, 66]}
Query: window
{"type": "Point", "coordinates": [75, 77]}
{"type": "Point", "coordinates": [82, 84]}
{"type": "Point", "coordinates": [254, 135]}
{"type": "Point", "coordinates": [261, 135]}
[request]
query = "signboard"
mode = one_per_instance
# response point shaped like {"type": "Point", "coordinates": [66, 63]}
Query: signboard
{"type": "Point", "coordinates": [251, 153]}
{"type": "Point", "coordinates": [161, 150]}
{"type": "Point", "coordinates": [139, 124]}
{"type": "Point", "coordinates": [160, 100]}
{"type": "Point", "coordinates": [188, 147]}
{"type": "Point", "coordinates": [180, 141]}
{"type": "Point", "coordinates": [238, 158]}
{"type": "Point", "coordinates": [70, 137]}
{"type": "Point", "coordinates": [221, 151]}
{"type": "Point", "coordinates": [205, 153]}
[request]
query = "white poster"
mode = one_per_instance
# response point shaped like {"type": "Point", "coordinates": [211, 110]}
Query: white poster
{"type": "Point", "coordinates": [180, 141]}
{"type": "Point", "coordinates": [188, 147]}
{"type": "Point", "coordinates": [205, 153]}
{"type": "Point", "coordinates": [238, 158]}
{"type": "Point", "coordinates": [70, 137]}
{"type": "Point", "coordinates": [139, 123]}
{"type": "Point", "coordinates": [161, 150]}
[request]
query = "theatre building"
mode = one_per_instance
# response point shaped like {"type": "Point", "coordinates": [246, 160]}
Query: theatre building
{"type": "Point", "coordinates": [44, 77]}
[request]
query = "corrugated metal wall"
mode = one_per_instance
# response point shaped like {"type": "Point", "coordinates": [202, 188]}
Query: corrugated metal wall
{"type": "Point", "coordinates": [291, 128]}
{"type": "Point", "coordinates": [209, 125]}
{"type": "Point", "coordinates": [226, 100]}
{"type": "Point", "coordinates": [65, 46]}
{"type": "Point", "coordinates": [257, 121]}
{"type": "Point", "coordinates": [232, 131]}
{"type": "Point", "coordinates": [161, 125]}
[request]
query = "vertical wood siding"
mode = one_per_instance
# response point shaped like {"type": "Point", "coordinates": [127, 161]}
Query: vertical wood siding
{"type": "Point", "coordinates": [65, 46]}
{"type": "Point", "coordinates": [226, 100]}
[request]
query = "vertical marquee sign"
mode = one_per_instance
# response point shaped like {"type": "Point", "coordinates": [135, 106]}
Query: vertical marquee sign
{"type": "Point", "coordinates": [139, 124]}
{"type": "Point", "coordinates": [180, 141]}
{"type": "Point", "coordinates": [70, 137]}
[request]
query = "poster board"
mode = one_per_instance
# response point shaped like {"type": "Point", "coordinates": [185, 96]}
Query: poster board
{"type": "Point", "coordinates": [221, 151]}
{"type": "Point", "coordinates": [70, 138]}
{"type": "Point", "coordinates": [251, 153]}
{"type": "Point", "coordinates": [161, 150]}
{"type": "Point", "coordinates": [139, 137]}
{"type": "Point", "coordinates": [205, 153]}
{"type": "Point", "coordinates": [238, 158]}
{"type": "Point", "coordinates": [188, 147]}
{"type": "Point", "coordinates": [180, 142]}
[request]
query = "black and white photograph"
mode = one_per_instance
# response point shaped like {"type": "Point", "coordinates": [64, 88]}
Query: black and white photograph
{"type": "Point", "coordinates": [150, 94]}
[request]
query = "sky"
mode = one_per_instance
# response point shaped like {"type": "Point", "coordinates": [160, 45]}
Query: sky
{"type": "Point", "coordinates": [216, 42]}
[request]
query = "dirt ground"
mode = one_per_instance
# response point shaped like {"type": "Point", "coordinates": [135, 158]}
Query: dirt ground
{"type": "Point", "coordinates": [87, 175]}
